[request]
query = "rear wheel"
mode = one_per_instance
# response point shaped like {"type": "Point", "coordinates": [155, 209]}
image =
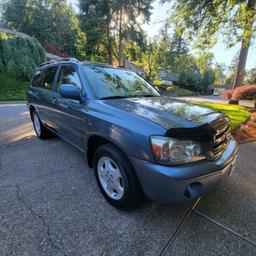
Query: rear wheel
{"type": "Point", "coordinates": [116, 178]}
{"type": "Point", "coordinates": [41, 131]}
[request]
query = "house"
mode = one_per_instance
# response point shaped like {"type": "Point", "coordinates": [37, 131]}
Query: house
{"type": "Point", "coordinates": [217, 89]}
{"type": "Point", "coordinates": [167, 77]}
{"type": "Point", "coordinates": [129, 65]}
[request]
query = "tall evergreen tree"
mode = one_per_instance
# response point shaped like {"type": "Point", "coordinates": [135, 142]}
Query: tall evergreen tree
{"type": "Point", "coordinates": [52, 21]}
{"type": "Point", "coordinates": [108, 22]}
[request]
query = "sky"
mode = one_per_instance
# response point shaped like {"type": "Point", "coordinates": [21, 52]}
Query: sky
{"type": "Point", "coordinates": [221, 53]}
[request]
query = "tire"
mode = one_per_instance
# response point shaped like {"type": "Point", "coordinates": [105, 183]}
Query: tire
{"type": "Point", "coordinates": [41, 131]}
{"type": "Point", "coordinates": [126, 190]}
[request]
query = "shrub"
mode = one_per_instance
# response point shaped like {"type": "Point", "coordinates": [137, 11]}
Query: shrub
{"type": "Point", "coordinates": [158, 82]}
{"type": "Point", "coordinates": [183, 92]}
{"type": "Point", "coordinates": [246, 92]}
{"type": "Point", "coordinates": [19, 55]}
{"type": "Point", "coordinates": [227, 94]}
{"type": "Point", "coordinates": [170, 88]}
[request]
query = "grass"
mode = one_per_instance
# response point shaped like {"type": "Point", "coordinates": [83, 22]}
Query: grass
{"type": "Point", "coordinates": [12, 88]}
{"type": "Point", "coordinates": [237, 114]}
{"type": "Point", "coordinates": [183, 92]}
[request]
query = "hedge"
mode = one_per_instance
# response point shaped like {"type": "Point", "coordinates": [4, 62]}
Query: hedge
{"type": "Point", "coordinates": [19, 55]}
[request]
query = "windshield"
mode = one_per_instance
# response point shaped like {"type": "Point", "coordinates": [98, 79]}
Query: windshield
{"type": "Point", "coordinates": [108, 82]}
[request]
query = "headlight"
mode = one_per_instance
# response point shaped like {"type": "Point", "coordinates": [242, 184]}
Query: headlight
{"type": "Point", "coordinates": [174, 152]}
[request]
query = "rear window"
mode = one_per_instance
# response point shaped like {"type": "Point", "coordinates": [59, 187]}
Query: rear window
{"type": "Point", "coordinates": [48, 79]}
{"type": "Point", "coordinates": [36, 80]}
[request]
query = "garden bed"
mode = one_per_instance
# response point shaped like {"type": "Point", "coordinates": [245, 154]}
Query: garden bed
{"type": "Point", "coordinates": [242, 122]}
{"type": "Point", "coordinates": [247, 131]}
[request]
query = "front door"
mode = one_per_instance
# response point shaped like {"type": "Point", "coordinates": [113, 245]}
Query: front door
{"type": "Point", "coordinates": [67, 116]}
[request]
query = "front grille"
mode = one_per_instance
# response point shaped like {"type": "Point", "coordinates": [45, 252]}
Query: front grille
{"type": "Point", "coordinates": [221, 137]}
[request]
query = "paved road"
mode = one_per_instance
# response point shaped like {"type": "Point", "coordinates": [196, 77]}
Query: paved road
{"type": "Point", "coordinates": [50, 205]}
{"type": "Point", "coordinates": [215, 99]}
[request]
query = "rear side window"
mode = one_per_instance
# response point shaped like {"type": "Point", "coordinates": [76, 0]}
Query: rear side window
{"type": "Point", "coordinates": [36, 80]}
{"type": "Point", "coordinates": [48, 79]}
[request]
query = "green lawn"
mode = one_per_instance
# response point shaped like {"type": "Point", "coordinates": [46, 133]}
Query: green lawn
{"type": "Point", "coordinates": [183, 92]}
{"type": "Point", "coordinates": [12, 88]}
{"type": "Point", "coordinates": [237, 114]}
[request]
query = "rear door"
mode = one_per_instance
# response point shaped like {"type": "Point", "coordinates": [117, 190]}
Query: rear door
{"type": "Point", "coordinates": [67, 116]}
{"type": "Point", "coordinates": [40, 92]}
{"type": "Point", "coordinates": [46, 86]}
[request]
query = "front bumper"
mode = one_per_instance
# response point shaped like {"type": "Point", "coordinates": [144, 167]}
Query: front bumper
{"type": "Point", "coordinates": [175, 184]}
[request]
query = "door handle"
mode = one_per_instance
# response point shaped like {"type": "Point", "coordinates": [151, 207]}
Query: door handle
{"type": "Point", "coordinates": [54, 99]}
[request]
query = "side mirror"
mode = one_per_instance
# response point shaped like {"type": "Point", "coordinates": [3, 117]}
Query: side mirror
{"type": "Point", "coordinates": [70, 91]}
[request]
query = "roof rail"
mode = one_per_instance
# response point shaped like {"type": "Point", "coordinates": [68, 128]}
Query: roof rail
{"type": "Point", "coordinates": [67, 59]}
{"type": "Point", "coordinates": [46, 63]}
{"type": "Point", "coordinates": [58, 60]}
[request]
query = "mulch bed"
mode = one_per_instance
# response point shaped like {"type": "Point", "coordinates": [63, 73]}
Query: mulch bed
{"type": "Point", "coordinates": [247, 131]}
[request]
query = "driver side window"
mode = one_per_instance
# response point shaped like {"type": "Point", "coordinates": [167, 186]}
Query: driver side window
{"type": "Point", "coordinates": [68, 75]}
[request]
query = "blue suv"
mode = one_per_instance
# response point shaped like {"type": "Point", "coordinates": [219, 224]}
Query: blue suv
{"type": "Point", "coordinates": [137, 141]}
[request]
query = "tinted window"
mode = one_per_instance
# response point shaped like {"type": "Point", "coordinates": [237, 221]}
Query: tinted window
{"type": "Point", "coordinates": [48, 79]}
{"type": "Point", "coordinates": [68, 75]}
{"type": "Point", "coordinates": [36, 80]}
{"type": "Point", "coordinates": [111, 82]}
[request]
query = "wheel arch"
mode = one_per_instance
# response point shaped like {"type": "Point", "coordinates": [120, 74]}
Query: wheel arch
{"type": "Point", "coordinates": [31, 109]}
{"type": "Point", "coordinates": [94, 142]}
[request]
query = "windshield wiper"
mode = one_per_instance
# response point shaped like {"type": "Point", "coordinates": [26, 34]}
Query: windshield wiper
{"type": "Point", "coordinates": [147, 95]}
{"type": "Point", "coordinates": [127, 96]}
{"type": "Point", "coordinates": [115, 97]}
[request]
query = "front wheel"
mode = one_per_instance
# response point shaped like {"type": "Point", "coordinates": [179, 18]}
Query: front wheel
{"type": "Point", "coordinates": [116, 178]}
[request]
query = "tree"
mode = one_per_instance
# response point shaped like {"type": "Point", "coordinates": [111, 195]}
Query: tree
{"type": "Point", "coordinates": [80, 45]}
{"type": "Point", "coordinates": [204, 64]}
{"type": "Point", "coordinates": [171, 45]}
{"type": "Point", "coordinates": [19, 55]}
{"type": "Point", "coordinates": [189, 75]}
{"type": "Point", "coordinates": [251, 76]}
{"type": "Point", "coordinates": [107, 22]}
{"type": "Point", "coordinates": [219, 71]}
{"type": "Point", "coordinates": [203, 20]}
{"type": "Point", "coordinates": [52, 21]}
{"type": "Point", "coordinates": [149, 60]}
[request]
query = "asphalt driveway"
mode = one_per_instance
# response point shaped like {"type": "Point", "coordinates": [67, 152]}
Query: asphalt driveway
{"type": "Point", "coordinates": [50, 205]}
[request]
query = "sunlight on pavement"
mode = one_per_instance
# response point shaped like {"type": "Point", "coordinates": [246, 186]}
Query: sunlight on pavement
{"type": "Point", "coordinates": [17, 133]}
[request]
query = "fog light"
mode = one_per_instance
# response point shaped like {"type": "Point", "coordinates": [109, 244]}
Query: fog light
{"type": "Point", "coordinates": [193, 190]}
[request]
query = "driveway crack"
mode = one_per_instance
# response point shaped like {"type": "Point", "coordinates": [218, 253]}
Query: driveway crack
{"type": "Point", "coordinates": [224, 227]}
{"type": "Point", "coordinates": [172, 239]}
{"type": "Point", "coordinates": [33, 212]}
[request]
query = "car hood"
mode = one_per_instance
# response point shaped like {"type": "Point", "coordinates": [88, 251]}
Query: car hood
{"type": "Point", "coordinates": [166, 112]}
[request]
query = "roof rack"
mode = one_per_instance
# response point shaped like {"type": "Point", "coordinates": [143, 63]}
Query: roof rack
{"type": "Point", "coordinates": [58, 60]}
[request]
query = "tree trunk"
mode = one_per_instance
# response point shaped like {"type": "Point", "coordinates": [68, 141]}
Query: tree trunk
{"type": "Point", "coordinates": [110, 48]}
{"type": "Point", "coordinates": [110, 44]}
{"type": "Point", "coordinates": [240, 73]}
{"type": "Point", "coordinates": [120, 53]}
{"type": "Point", "coordinates": [109, 37]}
